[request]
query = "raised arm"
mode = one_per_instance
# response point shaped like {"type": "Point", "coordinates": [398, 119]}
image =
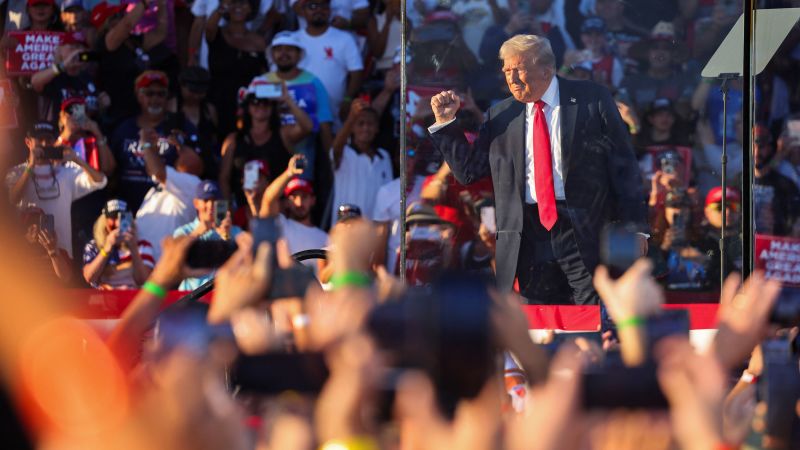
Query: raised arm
{"type": "Point", "coordinates": [159, 33]}
{"type": "Point", "coordinates": [269, 201]}
{"type": "Point", "coordinates": [117, 35]}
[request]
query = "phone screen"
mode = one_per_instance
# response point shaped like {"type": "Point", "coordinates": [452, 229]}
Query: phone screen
{"type": "Point", "coordinates": [47, 223]}
{"type": "Point", "coordinates": [488, 219]}
{"type": "Point", "coordinates": [269, 90]}
{"type": "Point", "coordinates": [209, 254]}
{"type": "Point", "coordinates": [221, 211]}
{"type": "Point", "coordinates": [125, 222]}
{"type": "Point", "coordinates": [250, 176]}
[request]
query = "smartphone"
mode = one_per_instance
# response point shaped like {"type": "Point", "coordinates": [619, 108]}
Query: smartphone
{"type": "Point", "coordinates": [671, 322]}
{"type": "Point", "coordinates": [78, 113]}
{"type": "Point", "coordinates": [47, 224]}
{"type": "Point", "coordinates": [89, 56]}
{"type": "Point", "coordinates": [250, 175]}
{"type": "Point", "coordinates": [53, 153]}
{"type": "Point", "coordinates": [269, 90]}
{"type": "Point", "coordinates": [619, 249]}
{"type": "Point", "coordinates": [220, 211]}
{"type": "Point", "coordinates": [301, 163]}
{"type": "Point", "coordinates": [209, 254]}
{"type": "Point", "coordinates": [125, 222]}
{"type": "Point", "coordinates": [277, 372]}
{"type": "Point", "coordinates": [291, 282]}
{"type": "Point", "coordinates": [488, 219]}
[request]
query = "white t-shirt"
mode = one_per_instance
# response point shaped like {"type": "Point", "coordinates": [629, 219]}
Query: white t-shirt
{"type": "Point", "coordinates": [55, 195]}
{"type": "Point", "coordinates": [166, 207]}
{"type": "Point", "coordinates": [387, 209]}
{"type": "Point", "coordinates": [341, 8]}
{"type": "Point", "coordinates": [204, 8]}
{"type": "Point", "coordinates": [358, 179]}
{"type": "Point", "coordinates": [301, 237]}
{"type": "Point", "coordinates": [331, 56]}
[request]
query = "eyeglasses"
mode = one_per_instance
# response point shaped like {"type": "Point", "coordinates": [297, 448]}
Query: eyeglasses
{"type": "Point", "coordinates": [717, 206]}
{"type": "Point", "coordinates": [157, 93]}
{"type": "Point", "coordinates": [316, 6]}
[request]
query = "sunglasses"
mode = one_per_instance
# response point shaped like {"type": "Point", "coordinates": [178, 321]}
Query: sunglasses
{"type": "Point", "coordinates": [157, 93]}
{"type": "Point", "coordinates": [316, 6]}
{"type": "Point", "coordinates": [260, 102]}
{"type": "Point", "coordinates": [717, 206]}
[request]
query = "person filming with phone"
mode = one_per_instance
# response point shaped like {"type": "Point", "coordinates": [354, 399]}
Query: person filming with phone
{"type": "Point", "coordinates": [52, 178]}
{"type": "Point", "coordinates": [213, 223]}
{"type": "Point", "coordinates": [47, 256]}
{"type": "Point", "coordinates": [116, 258]}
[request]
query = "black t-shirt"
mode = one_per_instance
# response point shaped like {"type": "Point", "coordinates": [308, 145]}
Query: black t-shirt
{"type": "Point", "coordinates": [133, 180]}
{"type": "Point", "coordinates": [65, 86]}
{"type": "Point", "coordinates": [776, 203]}
{"type": "Point", "coordinates": [272, 151]}
{"type": "Point", "coordinates": [118, 70]}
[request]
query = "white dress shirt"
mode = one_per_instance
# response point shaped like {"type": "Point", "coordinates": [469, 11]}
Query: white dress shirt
{"type": "Point", "coordinates": [551, 109]}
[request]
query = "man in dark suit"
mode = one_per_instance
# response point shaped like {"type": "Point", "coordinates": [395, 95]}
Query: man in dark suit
{"type": "Point", "coordinates": [562, 166]}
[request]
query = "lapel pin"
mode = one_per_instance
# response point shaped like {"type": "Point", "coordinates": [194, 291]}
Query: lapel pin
{"type": "Point", "coordinates": [572, 99]}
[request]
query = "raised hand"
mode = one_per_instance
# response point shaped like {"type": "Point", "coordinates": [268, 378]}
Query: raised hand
{"type": "Point", "coordinates": [445, 106]}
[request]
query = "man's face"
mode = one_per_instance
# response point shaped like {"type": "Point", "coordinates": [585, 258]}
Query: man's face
{"type": "Point", "coordinates": [152, 99]}
{"type": "Point", "coordinates": [662, 120]}
{"type": "Point", "coordinates": [526, 80]}
{"type": "Point", "coordinates": [39, 142]}
{"type": "Point", "coordinates": [72, 18]}
{"type": "Point", "coordinates": [286, 57]}
{"type": "Point", "coordinates": [660, 55]}
{"type": "Point", "coordinates": [299, 204]}
{"type": "Point", "coordinates": [714, 214]}
{"type": "Point", "coordinates": [317, 12]}
{"type": "Point", "coordinates": [205, 210]}
{"type": "Point", "coordinates": [594, 40]}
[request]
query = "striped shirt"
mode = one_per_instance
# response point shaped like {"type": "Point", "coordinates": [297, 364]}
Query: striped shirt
{"type": "Point", "coordinates": [118, 272]}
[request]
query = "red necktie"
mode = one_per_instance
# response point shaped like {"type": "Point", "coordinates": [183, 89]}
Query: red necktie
{"type": "Point", "coordinates": [543, 169]}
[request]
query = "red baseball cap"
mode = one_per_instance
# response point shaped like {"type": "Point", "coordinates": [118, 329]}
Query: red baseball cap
{"type": "Point", "coordinates": [148, 77]}
{"type": "Point", "coordinates": [715, 195]}
{"type": "Point", "coordinates": [298, 184]}
{"type": "Point", "coordinates": [73, 38]}
{"type": "Point", "coordinates": [41, 2]}
{"type": "Point", "coordinates": [102, 12]}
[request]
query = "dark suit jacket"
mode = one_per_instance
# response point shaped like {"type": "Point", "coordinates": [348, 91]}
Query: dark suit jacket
{"type": "Point", "coordinates": [602, 181]}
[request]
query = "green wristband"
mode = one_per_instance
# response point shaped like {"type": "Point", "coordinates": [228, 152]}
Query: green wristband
{"type": "Point", "coordinates": [632, 321]}
{"type": "Point", "coordinates": [154, 289]}
{"type": "Point", "coordinates": [350, 279]}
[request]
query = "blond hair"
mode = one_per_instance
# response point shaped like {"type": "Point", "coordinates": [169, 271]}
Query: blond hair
{"type": "Point", "coordinates": [528, 44]}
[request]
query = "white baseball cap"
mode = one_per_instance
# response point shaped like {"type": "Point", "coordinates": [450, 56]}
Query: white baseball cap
{"type": "Point", "coordinates": [285, 38]}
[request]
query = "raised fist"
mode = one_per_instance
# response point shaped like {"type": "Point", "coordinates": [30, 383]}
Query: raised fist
{"type": "Point", "coordinates": [445, 106]}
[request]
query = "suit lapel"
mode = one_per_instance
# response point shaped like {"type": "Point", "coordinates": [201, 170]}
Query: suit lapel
{"type": "Point", "coordinates": [517, 142]}
{"type": "Point", "coordinates": [569, 114]}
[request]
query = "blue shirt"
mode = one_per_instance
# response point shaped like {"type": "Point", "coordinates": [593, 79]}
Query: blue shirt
{"type": "Point", "coordinates": [191, 284]}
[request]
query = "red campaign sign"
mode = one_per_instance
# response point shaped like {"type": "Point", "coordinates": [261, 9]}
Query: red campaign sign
{"type": "Point", "coordinates": [31, 52]}
{"type": "Point", "coordinates": [8, 113]}
{"type": "Point", "coordinates": [779, 258]}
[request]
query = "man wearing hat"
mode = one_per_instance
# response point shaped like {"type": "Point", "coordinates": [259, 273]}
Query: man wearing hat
{"type": "Point", "coordinates": [299, 200]}
{"type": "Point", "coordinates": [606, 68]}
{"type": "Point", "coordinates": [661, 54]}
{"type": "Point", "coordinates": [52, 181]}
{"type": "Point", "coordinates": [116, 258]}
{"type": "Point", "coordinates": [285, 52]}
{"type": "Point", "coordinates": [174, 137]}
{"type": "Point", "coordinates": [68, 76]}
{"type": "Point", "coordinates": [167, 205]}
{"type": "Point", "coordinates": [709, 244]}
{"type": "Point", "coordinates": [205, 226]}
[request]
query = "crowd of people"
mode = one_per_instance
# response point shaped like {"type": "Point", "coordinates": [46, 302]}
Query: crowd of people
{"type": "Point", "coordinates": [171, 143]}
{"type": "Point", "coordinates": [146, 100]}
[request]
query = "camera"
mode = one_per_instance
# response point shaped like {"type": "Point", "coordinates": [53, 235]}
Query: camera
{"type": "Point", "coordinates": [786, 311]}
{"type": "Point", "coordinates": [443, 330]}
{"type": "Point", "coordinates": [53, 153]}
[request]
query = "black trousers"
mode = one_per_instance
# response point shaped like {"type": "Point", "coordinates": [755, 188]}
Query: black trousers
{"type": "Point", "coordinates": [550, 269]}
